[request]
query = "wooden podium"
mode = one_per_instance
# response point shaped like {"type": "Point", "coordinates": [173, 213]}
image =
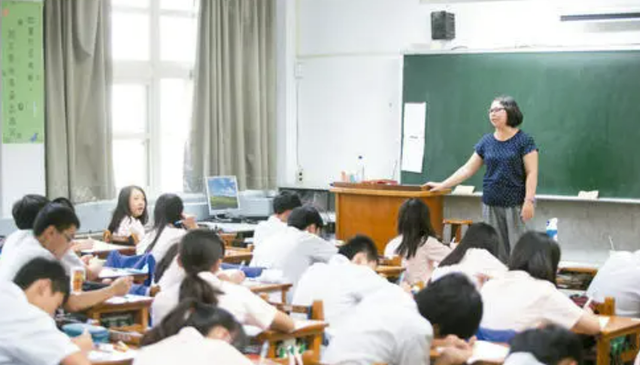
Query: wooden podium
{"type": "Point", "coordinates": [372, 210]}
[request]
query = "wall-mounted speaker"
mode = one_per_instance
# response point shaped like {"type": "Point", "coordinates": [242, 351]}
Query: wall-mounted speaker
{"type": "Point", "coordinates": [443, 25]}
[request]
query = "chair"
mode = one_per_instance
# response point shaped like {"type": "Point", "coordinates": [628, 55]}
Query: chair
{"type": "Point", "coordinates": [606, 308]}
{"type": "Point", "coordinates": [131, 240]}
{"type": "Point", "coordinates": [454, 228]}
{"type": "Point", "coordinates": [390, 261]}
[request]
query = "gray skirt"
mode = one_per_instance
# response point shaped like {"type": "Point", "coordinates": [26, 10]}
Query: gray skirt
{"type": "Point", "coordinates": [508, 223]}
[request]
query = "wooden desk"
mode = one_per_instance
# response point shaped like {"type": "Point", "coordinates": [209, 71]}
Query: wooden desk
{"type": "Point", "coordinates": [237, 257]}
{"type": "Point", "coordinates": [392, 272]}
{"type": "Point", "coordinates": [258, 287]}
{"type": "Point", "coordinates": [101, 356]}
{"type": "Point", "coordinates": [373, 209]}
{"type": "Point", "coordinates": [311, 330]}
{"type": "Point", "coordinates": [138, 305]}
{"type": "Point", "coordinates": [102, 249]}
{"type": "Point", "coordinates": [618, 327]}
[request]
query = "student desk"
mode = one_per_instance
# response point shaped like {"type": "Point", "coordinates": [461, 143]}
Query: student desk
{"type": "Point", "coordinates": [136, 304]}
{"type": "Point", "coordinates": [102, 249]}
{"type": "Point", "coordinates": [575, 275]}
{"type": "Point", "coordinates": [258, 287]}
{"type": "Point", "coordinates": [391, 272]}
{"type": "Point", "coordinates": [237, 257]}
{"type": "Point", "coordinates": [312, 330]}
{"type": "Point", "coordinates": [618, 327]}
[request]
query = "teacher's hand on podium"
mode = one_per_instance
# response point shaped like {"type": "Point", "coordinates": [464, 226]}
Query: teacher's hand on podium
{"type": "Point", "coordinates": [434, 186]}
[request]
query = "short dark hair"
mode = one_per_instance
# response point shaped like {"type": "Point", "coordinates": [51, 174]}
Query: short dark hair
{"type": "Point", "coordinates": [26, 210]}
{"type": "Point", "coordinates": [55, 215]}
{"type": "Point", "coordinates": [357, 244]}
{"type": "Point", "coordinates": [537, 254]}
{"type": "Point", "coordinates": [41, 268]}
{"type": "Point", "coordinates": [549, 345]}
{"type": "Point", "coordinates": [514, 115]}
{"type": "Point", "coordinates": [304, 216]}
{"type": "Point", "coordinates": [453, 304]}
{"type": "Point", "coordinates": [479, 235]}
{"type": "Point", "coordinates": [284, 201]}
{"type": "Point", "coordinates": [64, 201]}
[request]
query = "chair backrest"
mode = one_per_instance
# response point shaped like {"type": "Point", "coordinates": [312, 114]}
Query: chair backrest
{"type": "Point", "coordinates": [118, 260]}
{"type": "Point", "coordinates": [390, 261]}
{"type": "Point", "coordinates": [131, 240]}
{"type": "Point", "coordinates": [606, 308]}
{"type": "Point", "coordinates": [314, 311]}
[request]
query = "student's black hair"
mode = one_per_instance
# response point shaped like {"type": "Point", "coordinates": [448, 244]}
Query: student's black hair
{"type": "Point", "coordinates": [201, 316]}
{"type": "Point", "coordinates": [304, 216]}
{"type": "Point", "coordinates": [56, 215]}
{"type": "Point", "coordinates": [168, 210]}
{"type": "Point", "coordinates": [26, 210]}
{"type": "Point", "coordinates": [200, 250]}
{"type": "Point", "coordinates": [357, 244]}
{"type": "Point", "coordinates": [514, 115]}
{"type": "Point", "coordinates": [549, 345]}
{"type": "Point", "coordinates": [41, 268]}
{"type": "Point", "coordinates": [165, 263]}
{"type": "Point", "coordinates": [286, 200]}
{"type": "Point", "coordinates": [414, 224]}
{"type": "Point", "coordinates": [479, 235]}
{"type": "Point", "coordinates": [452, 304]}
{"type": "Point", "coordinates": [65, 202]}
{"type": "Point", "coordinates": [537, 254]}
{"type": "Point", "coordinates": [123, 210]}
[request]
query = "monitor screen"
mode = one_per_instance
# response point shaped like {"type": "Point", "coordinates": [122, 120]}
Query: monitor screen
{"type": "Point", "coordinates": [222, 194]}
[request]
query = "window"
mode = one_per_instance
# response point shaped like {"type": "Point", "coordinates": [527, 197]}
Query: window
{"type": "Point", "coordinates": [154, 50]}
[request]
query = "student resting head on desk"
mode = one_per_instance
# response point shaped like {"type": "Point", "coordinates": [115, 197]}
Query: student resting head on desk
{"type": "Point", "coordinates": [283, 204]}
{"type": "Point", "coordinates": [417, 243]}
{"type": "Point", "coordinates": [130, 214]}
{"type": "Point", "coordinates": [200, 255]}
{"type": "Point", "coordinates": [475, 256]}
{"type": "Point", "coordinates": [28, 332]}
{"type": "Point", "coordinates": [51, 238]}
{"type": "Point", "coordinates": [168, 212]}
{"type": "Point", "coordinates": [194, 333]}
{"type": "Point", "coordinates": [526, 296]}
{"type": "Point", "coordinates": [551, 345]}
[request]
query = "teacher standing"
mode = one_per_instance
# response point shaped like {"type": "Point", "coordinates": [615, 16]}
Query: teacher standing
{"type": "Point", "coordinates": [510, 181]}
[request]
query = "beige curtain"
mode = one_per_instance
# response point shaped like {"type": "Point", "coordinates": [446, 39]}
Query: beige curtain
{"type": "Point", "coordinates": [77, 87]}
{"type": "Point", "coordinates": [234, 124]}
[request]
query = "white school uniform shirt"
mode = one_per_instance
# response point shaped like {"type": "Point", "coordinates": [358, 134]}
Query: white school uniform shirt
{"type": "Point", "coordinates": [420, 266]}
{"type": "Point", "coordinates": [619, 278]}
{"type": "Point", "coordinates": [475, 262]}
{"type": "Point", "coordinates": [292, 252]}
{"type": "Point", "coordinates": [29, 335]}
{"type": "Point", "coordinates": [268, 228]}
{"type": "Point", "coordinates": [190, 347]}
{"type": "Point", "coordinates": [340, 284]}
{"type": "Point", "coordinates": [385, 327]}
{"type": "Point", "coordinates": [130, 225]}
{"type": "Point", "coordinates": [169, 237]}
{"type": "Point", "coordinates": [518, 302]}
{"type": "Point", "coordinates": [246, 307]}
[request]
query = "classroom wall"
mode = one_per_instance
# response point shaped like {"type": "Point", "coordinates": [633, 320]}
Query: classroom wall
{"type": "Point", "coordinates": [348, 63]}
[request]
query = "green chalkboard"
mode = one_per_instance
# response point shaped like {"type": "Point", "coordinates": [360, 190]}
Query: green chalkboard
{"type": "Point", "coordinates": [22, 72]}
{"type": "Point", "coordinates": [582, 109]}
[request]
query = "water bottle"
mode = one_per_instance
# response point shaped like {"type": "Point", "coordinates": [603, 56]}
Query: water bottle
{"type": "Point", "coordinates": [552, 228]}
{"type": "Point", "coordinates": [360, 172]}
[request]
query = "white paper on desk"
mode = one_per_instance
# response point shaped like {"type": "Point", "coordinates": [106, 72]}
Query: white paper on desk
{"type": "Point", "coordinates": [414, 119]}
{"type": "Point", "coordinates": [591, 195]}
{"type": "Point", "coordinates": [463, 190]}
{"type": "Point", "coordinates": [487, 351]}
{"type": "Point", "coordinates": [412, 154]}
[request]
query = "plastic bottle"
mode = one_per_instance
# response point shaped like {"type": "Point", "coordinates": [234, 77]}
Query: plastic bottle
{"type": "Point", "coordinates": [552, 228]}
{"type": "Point", "coordinates": [360, 171]}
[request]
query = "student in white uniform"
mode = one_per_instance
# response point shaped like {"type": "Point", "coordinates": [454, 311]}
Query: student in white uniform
{"type": "Point", "coordinates": [475, 256]}
{"type": "Point", "coordinates": [168, 212]}
{"type": "Point", "coordinates": [619, 278]}
{"type": "Point", "coordinates": [130, 214]}
{"type": "Point", "coordinates": [526, 296]}
{"type": "Point", "coordinates": [343, 282]}
{"type": "Point", "coordinates": [28, 333]}
{"type": "Point", "coordinates": [297, 248]}
{"type": "Point", "coordinates": [194, 333]}
{"type": "Point", "coordinates": [200, 255]}
{"type": "Point", "coordinates": [551, 345]}
{"type": "Point", "coordinates": [283, 204]}
{"type": "Point", "coordinates": [417, 243]}
{"type": "Point", "coordinates": [24, 213]}
{"type": "Point", "coordinates": [52, 235]}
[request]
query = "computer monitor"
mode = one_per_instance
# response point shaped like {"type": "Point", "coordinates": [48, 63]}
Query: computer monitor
{"type": "Point", "coordinates": [222, 194]}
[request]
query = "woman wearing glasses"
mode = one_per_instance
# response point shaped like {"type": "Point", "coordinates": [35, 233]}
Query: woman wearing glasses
{"type": "Point", "coordinates": [510, 181]}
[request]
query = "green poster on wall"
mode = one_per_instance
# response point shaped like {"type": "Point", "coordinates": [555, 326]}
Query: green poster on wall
{"type": "Point", "coordinates": [22, 72]}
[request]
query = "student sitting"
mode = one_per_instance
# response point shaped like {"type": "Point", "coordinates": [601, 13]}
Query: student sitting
{"type": "Point", "coordinates": [475, 256]}
{"type": "Point", "coordinates": [200, 255]}
{"type": "Point", "coordinates": [168, 212]}
{"type": "Point", "coordinates": [194, 333]}
{"type": "Point", "coordinates": [28, 332]}
{"type": "Point", "coordinates": [283, 204]}
{"type": "Point", "coordinates": [526, 295]}
{"type": "Point", "coordinates": [130, 214]}
{"type": "Point", "coordinates": [619, 278]}
{"type": "Point", "coordinates": [24, 213]}
{"type": "Point", "coordinates": [551, 345]}
{"type": "Point", "coordinates": [297, 248]}
{"type": "Point", "coordinates": [417, 243]}
{"type": "Point", "coordinates": [52, 235]}
{"type": "Point", "coordinates": [342, 282]}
